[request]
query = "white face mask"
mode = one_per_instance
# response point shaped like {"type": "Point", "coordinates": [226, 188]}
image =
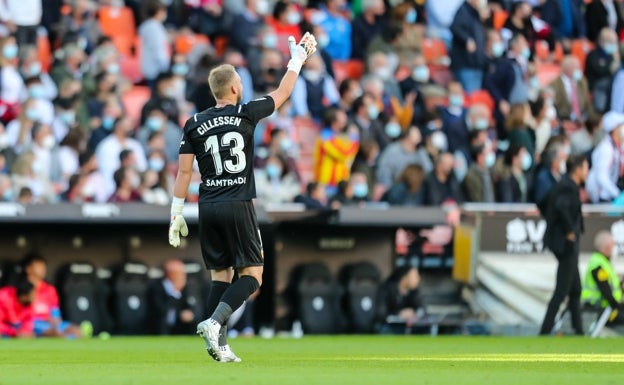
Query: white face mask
{"type": "Point", "coordinates": [4, 141]}
{"type": "Point", "coordinates": [48, 142]}
{"type": "Point", "coordinates": [439, 141]}
{"type": "Point", "coordinates": [551, 113]}
{"type": "Point", "coordinates": [562, 168]}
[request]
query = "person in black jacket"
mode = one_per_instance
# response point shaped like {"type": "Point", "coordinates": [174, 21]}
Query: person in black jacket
{"type": "Point", "coordinates": [564, 225]}
{"type": "Point", "coordinates": [601, 14]}
{"type": "Point", "coordinates": [601, 65]}
{"type": "Point", "coordinates": [440, 185]}
{"type": "Point", "coordinates": [399, 303]}
{"type": "Point", "coordinates": [170, 312]}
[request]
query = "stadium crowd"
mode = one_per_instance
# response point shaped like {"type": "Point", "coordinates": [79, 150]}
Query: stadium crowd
{"type": "Point", "coordinates": [408, 102]}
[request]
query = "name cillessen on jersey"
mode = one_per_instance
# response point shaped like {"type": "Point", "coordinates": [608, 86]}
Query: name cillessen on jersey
{"type": "Point", "coordinates": [225, 182]}
{"type": "Point", "coordinates": [218, 121]}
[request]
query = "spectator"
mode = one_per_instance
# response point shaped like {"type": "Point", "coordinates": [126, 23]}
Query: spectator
{"type": "Point", "coordinates": [366, 26]}
{"type": "Point", "coordinates": [19, 131]}
{"type": "Point", "coordinates": [407, 190]}
{"type": "Point", "coordinates": [46, 311]}
{"type": "Point", "coordinates": [16, 310]}
{"type": "Point", "coordinates": [435, 143]}
{"type": "Point", "coordinates": [543, 115]}
{"type": "Point", "coordinates": [106, 89]}
{"type": "Point", "coordinates": [366, 119]}
{"type": "Point", "coordinates": [415, 84]}
{"type": "Point", "coordinates": [274, 184]}
{"type": "Point", "coordinates": [518, 130]}
{"type": "Point", "coordinates": [155, 56]}
{"type": "Point", "coordinates": [587, 138]}
{"type": "Point", "coordinates": [95, 185]}
{"type": "Point", "coordinates": [440, 185]}
{"type": "Point", "coordinates": [111, 111]}
{"type": "Point", "coordinates": [457, 131]}
{"type": "Point", "coordinates": [607, 161]}
{"type": "Point", "coordinates": [30, 66]}
{"type": "Point", "coordinates": [285, 23]}
{"type": "Point", "coordinates": [25, 196]}
{"type": "Point", "coordinates": [477, 185]}
{"type": "Point", "coordinates": [271, 71]}
{"type": "Point", "coordinates": [80, 27]}
{"type": "Point", "coordinates": [169, 308]}
{"type": "Point", "coordinates": [314, 91]}
{"type": "Point", "coordinates": [439, 18]}
{"type": "Point", "coordinates": [321, 49]}
{"type": "Point", "coordinates": [366, 163]}
{"type": "Point", "coordinates": [35, 90]}
{"type": "Point", "coordinates": [601, 64]}
{"type": "Point", "coordinates": [399, 298]}
{"type": "Point", "coordinates": [77, 191]}
{"type": "Point", "coordinates": [552, 168]}
{"type": "Point", "coordinates": [601, 15]}
{"type": "Point", "coordinates": [468, 57]}
{"type": "Point", "coordinates": [70, 108]}
{"type": "Point", "coordinates": [163, 98]}
{"type": "Point", "coordinates": [455, 111]}
{"type": "Point", "coordinates": [47, 162]}
{"type": "Point", "coordinates": [6, 189]}
{"type": "Point", "coordinates": [22, 18]}
{"type": "Point", "coordinates": [157, 122]}
{"type": "Point", "coordinates": [338, 28]}
{"type": "Point", "coordinates": [411, 36]}
{"type": "Point", "coordinates": [572, 25]}
{"type": "Point", "coordinates": [519, 23]}
{"type": "Point", "coordinates": [246, 24]}
{"type": "Point", "coordinates": [127, 182]}
{"type": "Point", "coordinates": [280, 145]}
{"type": "Point", "coordinates": [314, 198]}
{"type": "Point", "coordinates": [349, 90]}
{"type": "Point", "coordinates": [236, 59]}
{"type": "Point", "coordinates": [353, 192]}
{"type": "Point", "coordinates": [511, 183]}
{"type": "Point", "coordinates": [379, 65]}
{"type": "Point", "coordinates": [572, 99]}
{"type": "Point", "coordinates": [70, 67]}
{"type": "Point", "coordinates": [336, 148]}
{"type": "Point", "coordinates": [397, 155]}
{"type": "Point", "coordinates": [156, 181]}
{"type": "Point", "coordinates": [12, 84]}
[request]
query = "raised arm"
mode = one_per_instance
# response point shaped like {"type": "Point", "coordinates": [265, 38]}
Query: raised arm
{"type": "Point", "coordinates": [299, 53]}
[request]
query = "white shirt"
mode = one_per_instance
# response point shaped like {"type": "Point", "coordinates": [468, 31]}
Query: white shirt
{"type": "Point", "coordinates": [12, 134]}
{"type": "Point", "coordinates": [12, 85]}
{"type": "Point", "coordinates": [107, 155]}
{"type": "Point", "coordinates": [21, 12]}
{"type": "Point", "coordinates": [603, 175]}
{"type": "Point", "coordinates": [68, 158]}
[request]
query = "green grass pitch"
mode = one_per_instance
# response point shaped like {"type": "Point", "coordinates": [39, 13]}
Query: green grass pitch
{"type": "Point", "coordinates": [316, 360]}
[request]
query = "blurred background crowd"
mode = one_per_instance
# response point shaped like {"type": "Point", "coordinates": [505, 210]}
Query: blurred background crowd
{"type": "Point", "coordinates": [409, 102]}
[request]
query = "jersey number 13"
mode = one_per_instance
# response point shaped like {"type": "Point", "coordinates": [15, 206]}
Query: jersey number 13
{"type": "Point", "coordinates": [235, 141]}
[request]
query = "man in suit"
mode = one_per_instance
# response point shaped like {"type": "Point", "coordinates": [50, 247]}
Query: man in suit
{"type": "Point", "coordinates": [564, 220]}
{"type": "Point", "coordinates": [572, 99]}
{"type": "Point", "coordinates": [170, 312]}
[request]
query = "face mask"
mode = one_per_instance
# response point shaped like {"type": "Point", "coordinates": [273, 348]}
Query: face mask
{"type": "Point", "coordinates": [33, 114]}
{"type": "Point", "coordinates": [269, 41]}
{"type": "Point", "coordinates": [393, 130]}
{"type": "Point", "coordinates": [262, 7]}
{"type": "Point", "coordinates": [481, 124]}
{"type": "Point", "coordinates": [7, 196]}
{"type": "Point", "coordinates": [567, 150]}
{"type": "Point", "coordinates": [36, 91]}
{"type": "Point", "coordinates": [562, 168]}
{"type": "Point", "coordinates": [36, 167]}
{"type": "Point", "coordinates": [88, 190]}
{"type": "Point", "coordinates": [194, 189]}
{"type": "Point", "coordinates": [68, 117]}
{"type": "Point", "coordinates": [410, 16]}
{"type": "Point", "coordinates": [498, 49]}
{"type": "Point", "coordinates": [34, 69]}
{"type": "Point", "coordinates": [273, 171]}
{"type": "Point", "coordinates": [4, 141]}
{"type": "Point", "coordinates": [551, 113]}
{"type": "Point", "coordinates": [360, 190]}
{"type": "Point", "coordinates": [113, 69]}
{"type": "Point", "coordinates": [439, 141]}
{"type": "Point", "coordinates": [373, 112]}
{"type": "Point", "coordinates": [293, 18]}
{"type": "Point", "coordinates": [135, 182]}
{"type": "Point", "coordinates": [384, 73]}
{"type": "Point", "coordinates": [421, 74]}
{"type": "Point", "coordinates": [460, 172]}
{"type": "Point", "coordinates": [286, 144]}
{"type": "Point", "coordinates": [526, 161]}
{"type": "Point", "coordinates": [323, 41]}
{"type": "Point", "coordinates": [153, 123]}
{"type": "Point", "coordinates": [180, 69]}
{"type": "Point", "coordinates": [313, 75]}
{"type": "Point", "coordinates": [10, 51]}
{"type": "Point", "coordinates": [577, 75]}
{"type": "Point", "coordinates": [456, 100]}
{"type": "Point", "coordinates": [534, 82]}
{"type": "Point", "coordinates": [357, 93]}
{"type": "Point", "coordinates": [48, 142]}
{"type": "Point", "coordinates": [170, 92]}
{"type": "Point", "coordinates": [610, 48]}
{"type": "Point", "coordinates": [156, 164]}
{"type": "Point", "coordinates": [108, 122]}
{"type": "Point", "coordinates": [483, 4]}
{"type": "Point", "coordinates": [526, 53]}
{"type": "Point", "coordinates": [490, 159]}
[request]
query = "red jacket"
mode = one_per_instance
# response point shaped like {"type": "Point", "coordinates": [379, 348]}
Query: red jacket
{"type": "Point", "coordinates": [15, 319]}
{"type": "Point", "coordinates": [46, 303]}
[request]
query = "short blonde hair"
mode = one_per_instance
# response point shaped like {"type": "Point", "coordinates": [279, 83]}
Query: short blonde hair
{"type": "Point", "coordinates": [220, 79]}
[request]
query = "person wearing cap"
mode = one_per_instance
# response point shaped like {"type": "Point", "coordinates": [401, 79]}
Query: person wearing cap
{"type": "Point", "coordinates": [606, 159]}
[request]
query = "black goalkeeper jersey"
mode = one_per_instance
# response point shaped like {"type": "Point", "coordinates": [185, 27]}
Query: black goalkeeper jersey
{"type": "Point", "coordinates": [222, 141]}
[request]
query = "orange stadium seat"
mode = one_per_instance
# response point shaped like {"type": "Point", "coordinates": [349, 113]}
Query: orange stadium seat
{"type": "Point", "coordinates": [185, 42]}
{"type": "Point", "coordinates": [481, 97]}
{"type": "Point", "coordinates": [547, 72]}
{"type": "Point", "coordinates": [580, 48]}
{"type": "Point", "coordinates": [45, 52]}
{"type": "Point", "coordinates": [117, 21]}
{"type": "Point", "coordinates": [353, 69]}
{"type": "Point", "coordinates": [133, 101]}
{"type": "Point", "coordinates": [221, 44]}
{"type": "Point", "coordinates": [499, 17]}
{"type": "Point", "coordinates": [433, 50]}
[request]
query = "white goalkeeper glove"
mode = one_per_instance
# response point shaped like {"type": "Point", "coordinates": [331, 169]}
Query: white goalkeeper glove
{"type": "Point", "coordinates": [299, 53]}
{"type": "Point", "coordinates": [177, 225]}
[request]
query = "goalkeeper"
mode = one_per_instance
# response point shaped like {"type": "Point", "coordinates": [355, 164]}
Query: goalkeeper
{"type": "Point", "coordinates": [221, 138]}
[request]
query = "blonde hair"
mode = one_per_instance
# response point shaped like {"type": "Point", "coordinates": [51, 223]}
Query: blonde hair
{"type": "Point", "coordinates": [220, 79]}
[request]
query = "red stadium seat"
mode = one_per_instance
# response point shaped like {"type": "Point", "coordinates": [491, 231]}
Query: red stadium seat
{"type": "Point", "coordinates": [45, 53]}
{"type": "Point", "coordinates": [434, 50]}
{"type": "Point", "coordinates": [547, 72]}
{"type": "Point", "coordinates": [353, 69]}
{"type": "Point", "coordinates": [580, 48]}
{"type": "Point", "coordinates": [481, 97]}
{"type": "Point", "coordinates": [117, 22]}
{"type": "Point", "coordinates": [185, 42]}
{"type": "Point", "coordinates": [499, 17]}
{"type": "Point", "coordinates": [134, 100]}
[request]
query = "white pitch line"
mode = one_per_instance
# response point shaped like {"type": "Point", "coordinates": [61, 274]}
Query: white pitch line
{"type": "Point", "coordinates": [608, 358]}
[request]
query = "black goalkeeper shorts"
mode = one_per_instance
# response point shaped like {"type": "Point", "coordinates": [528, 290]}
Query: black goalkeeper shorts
{"type": "Point", "coordinates": [229, 235]}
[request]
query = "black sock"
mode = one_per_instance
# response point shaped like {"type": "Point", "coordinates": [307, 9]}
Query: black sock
{"type": "Point", "coordinates": [234, 297]}
{"type": "Point", "coordinates": [214, 297]}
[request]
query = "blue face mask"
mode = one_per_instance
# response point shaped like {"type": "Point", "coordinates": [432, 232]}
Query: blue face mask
{"type": "Point", "coordinates": [269, 41]}
{"type": "Point", "coordinates": [410, 16]}
{"type": "Point", "coordinates": [108, 122]}
{"type": "Point", "coordinates": [68, 117]}
{"type": "Point", "coordinates": [193, 189]}
{"type": "Point", "coordinates": [373, 112]}
{"type": "Point", "coordinates": [7, 196]}
{"type": "Point", "coordinates": [526, 53]}
{"type": "Point", "coordinates": [421, 74]}
{"type": "Point", "coordinates": [154, 123]}
{"type": "Point", "coordinates": [286, 144]}
{"type": "Point", "coordinates": [490, 159]}
{"type": "Point", "coordinates": [456, 100]}
{"type": "Point", "coordinates": [498, 49]}
{"type": "Point", "coordinates": [180, 69]}
{"type": "Point", "coordinates": [10, 51]}
{"type": "Point", "coordinates": [156, 164]}
{"type": "Point", "coordinates": [610, 48]}
{"type": "Point", "coordinates": [113, 69]}
{"type": "Point", "coordinates": [481, 124]}
{"type": "Point", "coordinates": [36, 91]}
{"type": "Point", "coordinates": [360, 190]}
{"type": "Point", "coordinates": [393, 130]}
{"type": "Point", "coordinates": [527, 162]}
{"type": "Point", "coordinates": [33, 114]}
{"type": "Point", "coordinates": [273, 171]}
{"type": "Point", "coordinates": [34, 69]}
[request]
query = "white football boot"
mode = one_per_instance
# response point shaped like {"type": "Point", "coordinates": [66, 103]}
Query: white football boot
{"type": "Point", "coordinates": [209, 331]}
{"type": "Point", "coordinates": [227, 355]}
